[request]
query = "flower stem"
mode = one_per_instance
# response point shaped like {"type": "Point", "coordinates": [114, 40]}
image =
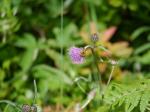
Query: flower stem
{"type": "Point", "coordinates": [95, 59]}
{"type": "Point", "coordinates": [98, 71]}
{"type": "Point", "coordinates": [110, 76]}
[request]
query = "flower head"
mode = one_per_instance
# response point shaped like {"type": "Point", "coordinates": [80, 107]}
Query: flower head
{"type": "Point", "coordinates": [76, 56]}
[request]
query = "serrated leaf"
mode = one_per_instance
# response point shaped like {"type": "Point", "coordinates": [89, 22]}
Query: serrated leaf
{"type": "Point", "coordinates": [132, 101]}
{"type": "Point", "coordinates": [145, 98]}
{"type": "Point", "coordinates": [130, 96]}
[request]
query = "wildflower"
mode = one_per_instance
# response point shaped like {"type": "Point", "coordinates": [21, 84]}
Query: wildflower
{"type": "Point", "coordinates": [76, 55]}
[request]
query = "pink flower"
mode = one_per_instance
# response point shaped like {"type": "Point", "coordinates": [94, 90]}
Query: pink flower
{"type": "Point", "coordinates": [75, 54]}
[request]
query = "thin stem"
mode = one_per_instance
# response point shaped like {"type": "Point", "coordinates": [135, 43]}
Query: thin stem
{"type": "Point", "coordinates": [35, 92]}
{"type": "Point", "coordinates": [61, 30]}
{"type": "Point", "coordinates": [98, 71]}
{"type": "Point", "coordinates": [91, 95]}
{"type": "Point", "coordinates": [96, 64]}
{"type": "Point", "coordinates": [77, 81]}
{"type": "Point", "coordinates": [61, 47]}
{"type": "Point", "coordinates": [110, 76]}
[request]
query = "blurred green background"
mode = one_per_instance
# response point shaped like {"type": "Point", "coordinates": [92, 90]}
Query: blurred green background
{"type": "Point", "coordinates": [34, 43]}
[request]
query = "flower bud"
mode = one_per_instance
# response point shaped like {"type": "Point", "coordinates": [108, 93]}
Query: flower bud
{"type": "Point", "coordinates": [33, 108]}
{"type": "Point", "coordinates": [26, 108]}
{"type": "Point", "coordinates": [113, 62]}
{"type": "Point", "coordinates": [94, 37]}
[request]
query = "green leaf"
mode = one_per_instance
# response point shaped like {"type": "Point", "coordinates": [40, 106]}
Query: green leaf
{"type": "Point", "coordinates": [8, 108]}
{"type": "Point", "coordinates": [139, 31]}
{"type": "Point", "coordinates": [128, 96]}
{"type": "Point", "coordinates": [52, 76]}
{"type": "Point", "coordinates": [2, 74]}
{"type": "Point", "coordinates": [27, 59]}
{"type": "Point", "coordinates": [28, 41]}
{"type": "Point", "coordinates": [144, 59]}
{"type": "Point", "coordinates": [145, 98]}
{"type": "Point", "coordinates": [11, 106]}
{"type": "Point", "coordinates": [116, 3]}
{"type": "Point", "coordinates": [70, 36]}
{"type": "Point", "coordinates": [132, 101]}
{"type": "Point", "coordinates": [142, 48]}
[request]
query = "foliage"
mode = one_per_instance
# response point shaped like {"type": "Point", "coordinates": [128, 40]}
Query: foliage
{"type": "Point", "coordinates": [130, 97]}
